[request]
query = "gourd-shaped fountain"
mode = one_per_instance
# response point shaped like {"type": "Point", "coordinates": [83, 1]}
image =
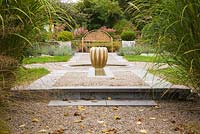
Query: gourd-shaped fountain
{"type": "Point", "coordinates": [99, 57]}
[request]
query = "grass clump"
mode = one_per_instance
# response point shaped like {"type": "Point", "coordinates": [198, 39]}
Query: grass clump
{"type": "Point", "coordinates": [170, 74]}
{"type": "Point", "coordinates": [25, 76]}
{"type": "Point", "coordinates": [140, 58]}
{"type": "Point", "coordinates": [46, 59]}
{"type": "Point", "coordinates": [174, 28]}
{"type": "Point", "coordinates": [136, 50]}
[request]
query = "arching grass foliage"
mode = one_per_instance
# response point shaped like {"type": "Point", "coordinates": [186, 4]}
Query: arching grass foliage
{"type": "Point", "coordinates": [175, 29]}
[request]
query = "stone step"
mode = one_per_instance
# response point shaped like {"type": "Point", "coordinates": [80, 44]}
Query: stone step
{"type": "Point", "coordinates": [130, 93]}
{"type": "Point", "coordinates": [102, 103]}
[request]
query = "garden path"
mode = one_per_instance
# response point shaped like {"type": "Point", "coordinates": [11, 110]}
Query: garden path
{"type": "Point", "coordinates": [76, 73]}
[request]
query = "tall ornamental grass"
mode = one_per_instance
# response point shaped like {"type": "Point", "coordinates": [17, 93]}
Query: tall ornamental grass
{"type": "Point", "coordinates": [21, 23]}
{"type": "Point", "coordinates": [175, 29]}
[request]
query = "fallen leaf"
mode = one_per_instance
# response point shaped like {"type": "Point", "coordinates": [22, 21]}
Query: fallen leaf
{"type": "Point", "coordinates": [109, 98]}
{"type": "Point", "coordinates": [164, 120]}
{"type": "Point", "coordinates": [109, 131]}
{"type": "Point", "coordinates": [82, 126]}
{"type": "Point", "coordinates": [143, 131]}
{"type": "Point", "coordinates": [77, 114]}
{"type": "Point", "coordinates": [138, 122]}
{"type": "Point", "coordinates": [100, 122]}
{"type": "Point", "coordinates": [141, 110]}
{"type": "Point", "coordinates": [59, 131]}
{"type": "Point", "coordinates": [66, 114]}
{"type": "Point", "coordinates": [42, 131]}
{"type": "Point", "coordinates": [81, 108]}
{"type": "Point", "coordinates": [88, 131]}
{"type": "Point", "coordinates": [173, 121]}
{"type": "Point", "coordinates": [82, 117]}
{"type": "Point", "coordinates": [35, 120]}
{"type": "Point", "coordinates": [115, 108]}
{"type": "Point", "coordinates": [152, 118]}
{"type": "Point", "coordinates": [176, 129]}
{"type": "Point", "coordinates": [78, 121]}
{"type": "Point", "coordinates": [117, 117]}
{"type": "Point", "coordinates": [23, 125]}
{"type": "Point", "coordinates": [157, 107]}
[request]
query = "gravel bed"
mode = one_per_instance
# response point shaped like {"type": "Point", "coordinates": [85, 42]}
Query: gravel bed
{"type": "Point", "coordinates": [124, 78]}
{"type": "Point", "coordinates": [31, 117]}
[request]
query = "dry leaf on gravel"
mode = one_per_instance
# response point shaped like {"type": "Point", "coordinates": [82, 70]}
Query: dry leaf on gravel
{"type": "Point", "coordinates": [157, 107]}
{"type": "Point", "coordinates": [23, 125]}
{"type": "Point", "coordinates": [77, 114]}
{"type": "Point", "coordinates": [117, 117]}
{"type": "Point", "coordinates": [115, 108]}
{"type": "Point", "coordinates": [100, 122]}
{"type": "Point", "coordinates": [109, 131]}
{"type": "Point", "coordinates": [152, 118]}
{"type": "Point", "coordinates": [42, 131]}
{"type": "Point", "coordinates": [59, 131]}
{"type": "Point", "coordinates": [143, 131]}
{"type": "Point", "coordinates": [82, 126]}
{"type": "Point", "coordinates": [141, 110]}
{"type": "Point", "coordinates": [138, 122]}
{"type": "Point", "coordinates": [35, 120]}
{"type": "Point", "coordinates": [164, 120]}
{"type": "Point", "coordinates": [78, 121]}
{"type": "Point", "coordinates": [82, 117]}
{"type": "Point", "coordinates": [81, 108]}
{"type": "Point", "coordinates": [173, 121]}
{"type": "Point", "coordinates": [66, 114]}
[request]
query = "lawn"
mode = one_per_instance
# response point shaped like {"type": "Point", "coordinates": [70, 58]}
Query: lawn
{"type": "Point", "coordinates": [139, 58]}
{"type": "Point", "coordinates": [46, 59]}
{"type": "Point", "coordinates": [170, 74]}
{"type": "Point", "coordinates": [27, 75]}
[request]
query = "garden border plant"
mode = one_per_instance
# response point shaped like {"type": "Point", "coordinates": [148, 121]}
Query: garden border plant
{"type": "Point", "coordinates": [174, 27]}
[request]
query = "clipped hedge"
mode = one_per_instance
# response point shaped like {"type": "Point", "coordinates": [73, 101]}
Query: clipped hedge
{"type": "Point", "coordinates": [128, 35]}
{"type": "Point", "coordinates": [65, 36]}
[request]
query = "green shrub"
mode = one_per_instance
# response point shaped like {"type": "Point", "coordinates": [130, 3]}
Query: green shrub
{"type": "Point", "coordinates": [123, 25]}
{"type": "Point", "coordinates": [65, 36]}
{"type": "Point", "coordinates": [62, 51]}
{"type": "Point", "coordinates": [56, 50]}
{"type": "Point", "coordinates": [136, 50]}
{"type": "Point", "coordinates": [128, 35]}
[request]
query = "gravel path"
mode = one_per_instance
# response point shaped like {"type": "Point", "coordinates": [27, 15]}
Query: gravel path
{"type": "Point", "coordinates": [124, 78]}
{"type": "Point", "coordinates": [31, 117]}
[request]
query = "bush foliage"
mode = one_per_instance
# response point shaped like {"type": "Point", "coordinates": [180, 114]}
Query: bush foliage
{"type": "Point", "coordinates": [136, 50]}
{"type": "Point", "coordinates": [65, 36]}
{"type": "Point", "coordinates": [128, 35]}
{"type": "Point", "coordinates": [174, 26]}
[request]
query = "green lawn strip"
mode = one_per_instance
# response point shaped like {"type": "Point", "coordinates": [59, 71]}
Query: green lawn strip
{"type": "Point", "coordinates": [25, 76]}
{"type": "Point", "coordinates": [169, 74]}
{"type": "Point", "coordinates": [139, 58]}
{"type": "Point", "coordinates": [46, 59]}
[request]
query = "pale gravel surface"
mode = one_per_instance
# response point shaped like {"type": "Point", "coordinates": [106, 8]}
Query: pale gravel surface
{"type": "Point", "coordinates": [163, 120]}
{"type": "Point", "coordinates": [124, 78]}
